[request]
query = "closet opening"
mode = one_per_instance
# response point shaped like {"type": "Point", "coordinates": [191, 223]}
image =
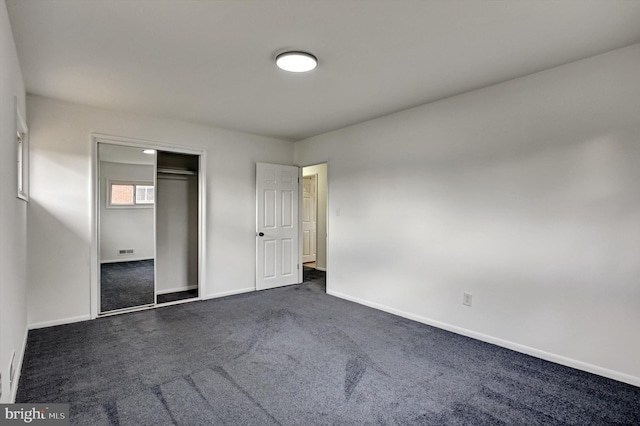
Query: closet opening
{"type": "Point", "coordinates": [176, 227]}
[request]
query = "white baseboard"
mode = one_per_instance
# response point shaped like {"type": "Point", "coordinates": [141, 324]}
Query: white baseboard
{"type": "Point", "coordinates": [176, 289]}
{"type": "Point", "coordinates": [228, 293]}
{"type": "Point", "coordinates": [59, 322]}
{"type": "Point", "coordinates": [125, 259]}
{"type": "Point", "coordinates": [548, 356]}
{"type": "Point", "coordinates": [21, 352]}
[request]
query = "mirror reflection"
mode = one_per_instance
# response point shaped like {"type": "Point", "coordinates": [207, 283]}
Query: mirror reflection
{"type": "Point", "coordinates": [126, 226]}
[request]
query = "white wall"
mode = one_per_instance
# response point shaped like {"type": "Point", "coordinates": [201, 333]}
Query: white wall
{"type": "Point", "coordinates": [125, 227]}
{"type": "Point", "coordinates": [524, 194]}
{"type": "Point", "coordinates": [13, 213]}
{"type": "Point", "coordinates": [321, 232]}
{"type": "Point", "coordinates": [59, 213]}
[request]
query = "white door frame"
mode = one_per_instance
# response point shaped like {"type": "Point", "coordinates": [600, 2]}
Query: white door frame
{"type": "Point", "coordinates": [97, 138]}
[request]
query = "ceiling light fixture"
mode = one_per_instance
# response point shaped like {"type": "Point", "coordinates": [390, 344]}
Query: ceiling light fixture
{"type": "Point", "coordinates": [296, 61]}
{"type": "Point", "coordinates": [148, 151]}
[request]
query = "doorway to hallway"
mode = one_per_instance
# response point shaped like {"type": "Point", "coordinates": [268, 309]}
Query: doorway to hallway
{"type": "Point", "coordinates": [314, 217]}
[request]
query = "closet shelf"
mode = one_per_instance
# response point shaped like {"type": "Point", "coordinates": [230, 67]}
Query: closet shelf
{"type": "Point", "coordinates": [176, 172]}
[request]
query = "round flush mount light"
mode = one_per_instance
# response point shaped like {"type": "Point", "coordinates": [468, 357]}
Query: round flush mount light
{"type": "Point", "coordinates": [149, 151]}
{"type": "Point", "coordinates": [296, 61]}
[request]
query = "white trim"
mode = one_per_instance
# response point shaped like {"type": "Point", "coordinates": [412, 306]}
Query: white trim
{"type": "Point", "coordinates": [228, 293]}
{"type": "Point", "coordinates": [16, 379]}
{"type": "Point", "coordinates": [62, 321]}
{"type": "Point", "coordinates": [548, 356]}
{"type": "Point", "coordinates": [94, 275]}
{"type": "Point", "coordinates": [202, 223]}
{"type": "Point", "coordinates": [127, 310]}
{"type": "Point", "coordinates": [97, 138]}
{"type": "Point", "coordinates": [145, 143]}
{"type": "Point", "coordinates": [300, 214]}
{"type": "Point", "coordinates": [177, 289]}
{"type": "Point", "coordinates": [328, 231]}
{"type": "Point", "coordinates": [155, 228]}
{"type": "Point", "coordinates": [320, 269]}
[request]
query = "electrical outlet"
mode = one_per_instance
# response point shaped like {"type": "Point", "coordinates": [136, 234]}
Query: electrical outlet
{"type": "Point", "coordinates": [466, 298]}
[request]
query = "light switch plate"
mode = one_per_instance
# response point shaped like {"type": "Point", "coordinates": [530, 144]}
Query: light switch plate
{"type": "Point", "coordinates": [467, 298]}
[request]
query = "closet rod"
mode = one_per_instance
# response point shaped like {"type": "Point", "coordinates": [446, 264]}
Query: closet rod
{"type": "Point", "coordinates": [176, 172]}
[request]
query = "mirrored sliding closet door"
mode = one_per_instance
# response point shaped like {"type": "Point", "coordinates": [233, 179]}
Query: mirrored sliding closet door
{"type": "Point", "coordinates": [126, 227]}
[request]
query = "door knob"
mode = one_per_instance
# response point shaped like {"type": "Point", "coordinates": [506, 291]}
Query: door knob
{"type": "Point", "coordinates": [261, 234]}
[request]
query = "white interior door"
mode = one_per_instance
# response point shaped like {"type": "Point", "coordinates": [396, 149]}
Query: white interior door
{"type": "Point", "coordinates": [277, 226]}
{"type": "Point", "coordinates": [309, 218]}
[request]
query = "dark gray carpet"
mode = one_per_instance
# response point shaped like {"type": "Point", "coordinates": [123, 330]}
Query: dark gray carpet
{"type": "Point", "coordinates": [178, 295]}
{"type": "Point", "coordinates": [126, 284]}
{"type": "Point", "coordinates": [296, 356]}
{"type": "Point", "coordinates": [313, 275]}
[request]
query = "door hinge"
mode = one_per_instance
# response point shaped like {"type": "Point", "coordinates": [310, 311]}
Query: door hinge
{"type": "Point", "coordinates": [298, 266]}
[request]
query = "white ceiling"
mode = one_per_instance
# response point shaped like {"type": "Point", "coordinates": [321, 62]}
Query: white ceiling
{"type": "Point", "coordinates": [211, 62]}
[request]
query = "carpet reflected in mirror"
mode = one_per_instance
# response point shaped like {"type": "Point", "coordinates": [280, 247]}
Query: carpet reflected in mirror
{"type": "Point", "coordinates": [126, 285]}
